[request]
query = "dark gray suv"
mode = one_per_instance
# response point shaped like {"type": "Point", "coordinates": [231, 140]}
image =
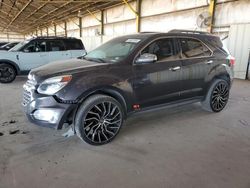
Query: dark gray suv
{"type": "Point", "coordinates": [128, 74]}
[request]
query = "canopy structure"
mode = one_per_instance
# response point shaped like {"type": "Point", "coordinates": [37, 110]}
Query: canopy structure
{"type": "Point", "coordinates": [23, 16]}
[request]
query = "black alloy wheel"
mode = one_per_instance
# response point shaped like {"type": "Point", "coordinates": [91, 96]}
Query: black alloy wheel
{"type": "Point", "coordinates": [99, 119]}
{"type": "Point", "coordinates": [7, 73]}
{"type": "Point", "coordinates": [220, 95]}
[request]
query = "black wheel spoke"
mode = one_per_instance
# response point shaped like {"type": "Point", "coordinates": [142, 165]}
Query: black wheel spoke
{"type": "Point", "coordinates": [102, 122]}
{"type": "Point", "coordinates": [7, 74]}
{"type": "Point", "coordinates": [220, 96]}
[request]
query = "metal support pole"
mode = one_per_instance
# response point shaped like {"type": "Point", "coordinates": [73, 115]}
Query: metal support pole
{"type": "Point", "coordinates": [55, 29]}
{"type": "Point", "coordinates": [138, 15]}
{"type": "Point", "coordinates": [135, 12]}
{"type": "Point", "coordinates": [212, 7]}
{"type": "Point", "coordinates": [102, 22]}
{"type": "Point", "coordinates": [47, 31]}
{"type": "Point", "coordinates": [80, 26]}
{"type": "Point", "coordinates": [65, 29]}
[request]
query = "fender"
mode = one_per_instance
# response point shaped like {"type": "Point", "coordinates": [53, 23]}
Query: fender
{"type": "Point", "coordinates": [108, 90]}
{"type": "Point", "coordinates": [11, 63]}
{"type": "Point", "coordinates": [222, 71]}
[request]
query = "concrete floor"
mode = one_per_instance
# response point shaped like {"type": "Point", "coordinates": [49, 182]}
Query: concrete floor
{"type": "Point", "coordinates": [179, 147]}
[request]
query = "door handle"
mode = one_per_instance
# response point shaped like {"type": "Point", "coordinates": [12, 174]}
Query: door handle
{"type": "Point", "coordinates": [175, 68]}
{"type": "Point", "coordinates": [209, 62]}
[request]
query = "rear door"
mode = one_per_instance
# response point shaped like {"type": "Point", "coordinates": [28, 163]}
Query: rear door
{"type": "Point", "coordinates": [75, 47]}
{"type": "Point", "coordinates": [58, 51]}
{"type": "Point", "coordinates": [159, 82]}
{"type": "Point", "coordinates": [196, 63]}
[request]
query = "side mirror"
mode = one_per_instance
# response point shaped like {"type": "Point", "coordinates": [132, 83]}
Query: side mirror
{"type": "Point", "coordinates": [146, 58]}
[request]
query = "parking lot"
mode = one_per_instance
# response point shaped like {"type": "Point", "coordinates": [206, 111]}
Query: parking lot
{"type": "Point", "coordinates": [179, 147]}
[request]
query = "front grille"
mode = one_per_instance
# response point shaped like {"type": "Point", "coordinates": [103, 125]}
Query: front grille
{"type": "Point", "coordinates": [26, 97]}
{"type": "Point", "coordinates": [28, 88]}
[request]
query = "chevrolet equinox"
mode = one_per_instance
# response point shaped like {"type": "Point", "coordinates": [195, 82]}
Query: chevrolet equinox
{"type": "Point", "coordinates": [96, 92]}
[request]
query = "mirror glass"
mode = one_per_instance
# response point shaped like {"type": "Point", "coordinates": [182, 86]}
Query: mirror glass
{"type": "Point", "coordinates": [146, 58]}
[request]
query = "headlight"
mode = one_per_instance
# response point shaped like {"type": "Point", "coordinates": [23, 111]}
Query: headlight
{"type": "Point", "coordinates": [54, 84]}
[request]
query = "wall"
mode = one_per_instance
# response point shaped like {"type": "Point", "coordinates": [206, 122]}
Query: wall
{"type": "Point", "coordinates": [156, 15]}
{"type": "Point", "coordinates": [11, 37]}
{"type": "Point", "coordinates": [239, 46]}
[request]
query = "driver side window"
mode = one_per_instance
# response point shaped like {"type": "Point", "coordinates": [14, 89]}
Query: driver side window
{"type": "Point", "coordinates": [30, 47]}
{"type": "Point", "coordinates": [163, 49]}
{"type": "Point", "coordinates": [38, 46]}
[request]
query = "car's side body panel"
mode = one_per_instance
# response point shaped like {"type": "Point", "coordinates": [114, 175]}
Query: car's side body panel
{"type": "Point", "coordinates": [141, 86]}
{"type": "Point", "coordinates": [24, 61]}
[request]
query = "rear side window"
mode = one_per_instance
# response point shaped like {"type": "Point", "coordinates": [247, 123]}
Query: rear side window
{"type": "Point", "coordinates": [74, 44]}
{"type": "Point", "coordinates": [56, 45]}
{"type": "Point", "coordinates": [193, 48]}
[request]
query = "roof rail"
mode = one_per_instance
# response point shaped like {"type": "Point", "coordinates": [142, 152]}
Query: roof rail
{"type": "Point", "coordinates": [53, 37]}
{"type": "Point", "coordinates": [188, 31]}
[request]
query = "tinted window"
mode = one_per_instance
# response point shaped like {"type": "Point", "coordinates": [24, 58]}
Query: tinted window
{"type": "Point", "coordinates": [163, 49]}
{"type": "Point", "coordinates": [41, 46]}
{"type": "Point", "coordinates": [56, 45]}
{"type": "Point", "coordinates": [193, 48]}
{"type": "Point", "coordinates": [74, 44]}
{"type": "Point", "coordinates": [36, 46]}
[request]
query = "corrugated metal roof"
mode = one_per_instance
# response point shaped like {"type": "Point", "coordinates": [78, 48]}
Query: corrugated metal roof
{"type": "Point", "coordinates": [23, 16]}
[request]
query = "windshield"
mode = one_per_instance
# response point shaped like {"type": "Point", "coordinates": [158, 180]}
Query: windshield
{"type": "Point", "coordinates": [19, 46]}
{"type": "Point", "coordinates": [113, 51]}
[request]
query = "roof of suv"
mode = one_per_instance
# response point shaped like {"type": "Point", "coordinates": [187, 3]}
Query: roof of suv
{"type": "Point", "coordinates": [171, 33]}
{"type": "Point", "coordinates": [55, 37]}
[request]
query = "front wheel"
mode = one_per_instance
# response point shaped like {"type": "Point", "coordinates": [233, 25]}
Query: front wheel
{"type": "Point", "coordinates": [99, 119]}
{"type": "Point", "coordinates": [7, 73]}
{"type": "Point", "coordinates": [217, 96]}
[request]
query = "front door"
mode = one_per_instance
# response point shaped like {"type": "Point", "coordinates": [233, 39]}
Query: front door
{"type": "Point", "coordinates": [33, 55]}
{"type": "Point", "coordinates": [158, 82]}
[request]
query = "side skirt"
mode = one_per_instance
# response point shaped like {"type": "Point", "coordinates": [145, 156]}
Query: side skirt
{"type": "Point", "coordinates": [166, 106]}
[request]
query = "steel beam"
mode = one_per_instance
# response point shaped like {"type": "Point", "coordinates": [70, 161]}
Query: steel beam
{"type": "Point", "coordinates": [65, 29]}
{"type": "Point", "coordinates": [138, 16]}
{"type": "Point", "coordinates": [80, 26]}
{"type": "Point", "coordinates": [55, 29]}
{"type": "Point", "coordinates": [20, 12]}
{"type": "Point", "coordinates": [135, 12]}
{"type": "Point", "coordinates": [102, 22]}
{"type": "Point", "coordinates": [94, 16]}
{"type": "Point", "coordinates": [211, 10]}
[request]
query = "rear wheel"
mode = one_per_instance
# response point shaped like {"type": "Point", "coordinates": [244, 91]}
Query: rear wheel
{"type": "Point", "coordinates": [99, 119]}
{"type": "Point", "coordinates": [217, 96]}
{"type": "Point", "coordinates": [7, 73]}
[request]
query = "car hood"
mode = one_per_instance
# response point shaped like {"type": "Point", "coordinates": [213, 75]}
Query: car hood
{"type": "Point", "coordinates": [64, 67]}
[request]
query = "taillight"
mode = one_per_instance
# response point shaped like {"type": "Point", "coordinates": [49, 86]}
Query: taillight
{"type": "Point", "coordinates": [231, 61]}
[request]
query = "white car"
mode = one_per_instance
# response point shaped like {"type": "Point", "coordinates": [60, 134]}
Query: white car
{"type": "Point", "coordinates": [36, 52]}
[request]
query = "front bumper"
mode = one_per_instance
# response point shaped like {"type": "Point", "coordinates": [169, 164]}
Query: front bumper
{"type": "Point", "coordinates": [33, 101]}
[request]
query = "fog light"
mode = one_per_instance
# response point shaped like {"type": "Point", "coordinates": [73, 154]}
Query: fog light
{"type": "Point", "coordinates": [49, 115]}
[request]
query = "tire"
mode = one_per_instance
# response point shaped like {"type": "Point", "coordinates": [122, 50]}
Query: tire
{"type": "Point", "coordinates": [7, 73]}
{"type": "Point", "coordinates": [99, 119]}
{"type": "Point", "coordinates": [217, 96]}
